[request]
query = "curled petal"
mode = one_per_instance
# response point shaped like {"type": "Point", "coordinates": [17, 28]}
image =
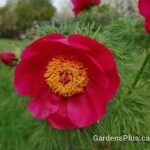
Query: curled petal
{"type": "Point", "coordinates": [61, 120]}
{"type": "Point", "coordinates": [87, 108]}
{"type": "Point", "coordinates": [96, 50]}
{"type": "Point", "coordinates": [44, 104]}
{"type": "Point", "coordinates": [39, 47]}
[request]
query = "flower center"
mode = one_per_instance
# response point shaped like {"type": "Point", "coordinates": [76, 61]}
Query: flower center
{"type": "Point", "coordinates": [66, 76]}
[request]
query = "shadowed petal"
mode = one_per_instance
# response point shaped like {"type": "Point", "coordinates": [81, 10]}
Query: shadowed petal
{"type": "Point", "coordinates": [88, 108]}
{"type": "Point", "coordinates": [44, 104]}
{"type": "Point", "coordinates": [61, 120]}
{"type": "Point", "coordinates": [96, 50]}
{"type": "Point", "coordinates": [28, 76]}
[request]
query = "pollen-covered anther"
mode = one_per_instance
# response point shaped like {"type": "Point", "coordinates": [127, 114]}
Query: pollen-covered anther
{"type": "Point", "coordinates": [66, 76]}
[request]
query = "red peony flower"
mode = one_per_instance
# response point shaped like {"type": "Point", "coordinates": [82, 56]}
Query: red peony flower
{"type": "Point", "coordinates": [80, 5]}
{"type": "Point", "coordinates": [69, 79]}
{"type": "Point", "coordinates": [8, 58]}
{"type": "Point", "coordinates": [144, 9]}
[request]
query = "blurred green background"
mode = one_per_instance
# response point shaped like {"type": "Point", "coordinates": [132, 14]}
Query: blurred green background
{"type": "Point", "coordinates": [17, 17]}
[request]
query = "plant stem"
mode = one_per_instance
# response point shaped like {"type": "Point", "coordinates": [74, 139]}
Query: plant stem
{"type": "Point", "coordinates": [136, 79]}
{"type": "Point", "coordinates": [139, 74]}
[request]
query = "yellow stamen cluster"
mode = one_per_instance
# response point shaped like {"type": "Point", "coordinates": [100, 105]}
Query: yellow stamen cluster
{"type": "Point", "coordinates": [66, 76]}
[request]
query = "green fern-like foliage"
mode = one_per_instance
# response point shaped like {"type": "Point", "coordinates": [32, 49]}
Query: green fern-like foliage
{"type": "Point", "coordinates": [127, 114]}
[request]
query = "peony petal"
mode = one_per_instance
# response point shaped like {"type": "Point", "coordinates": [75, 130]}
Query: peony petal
{"type": "Point", "coordinates": [43, 105]}
{"type": "Point", "coordinates": [40, 46]}
{"type": "Point", "coordinates": [114, 82]}
{"type": "Point", "coordinates": [144, 8]}
{"type": "Point", "coordinates": [54, 36]}
{"type": "Point", "coordinates": [108, 81]}
{"type": "Point", "coordinates": [87, 108]}
{"type": "Point", "coordinates": [97, 76]}
{"type": "Point", "coordinates": [50, 48]}
{"type": "Point", "coordinates": [28, 76]}
{"type": "Point", "coordinates": [78, 47]}
{"type": "Point", "coordinates": [95, 72]}
{"type": "Point", "coordinates": [97, 51]}
{"type": "Point", "coordinates": [79, 5]}
{"type": "Point", "coordinates": [60, 120]}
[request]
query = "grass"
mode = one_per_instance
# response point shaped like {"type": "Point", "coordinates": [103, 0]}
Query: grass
{"type": "Point", "coordinates": [13, 130]}
{"type": "Point", "coordinates": [13, 45]}
{"type": "Point", "coordinates": [9, 44]}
